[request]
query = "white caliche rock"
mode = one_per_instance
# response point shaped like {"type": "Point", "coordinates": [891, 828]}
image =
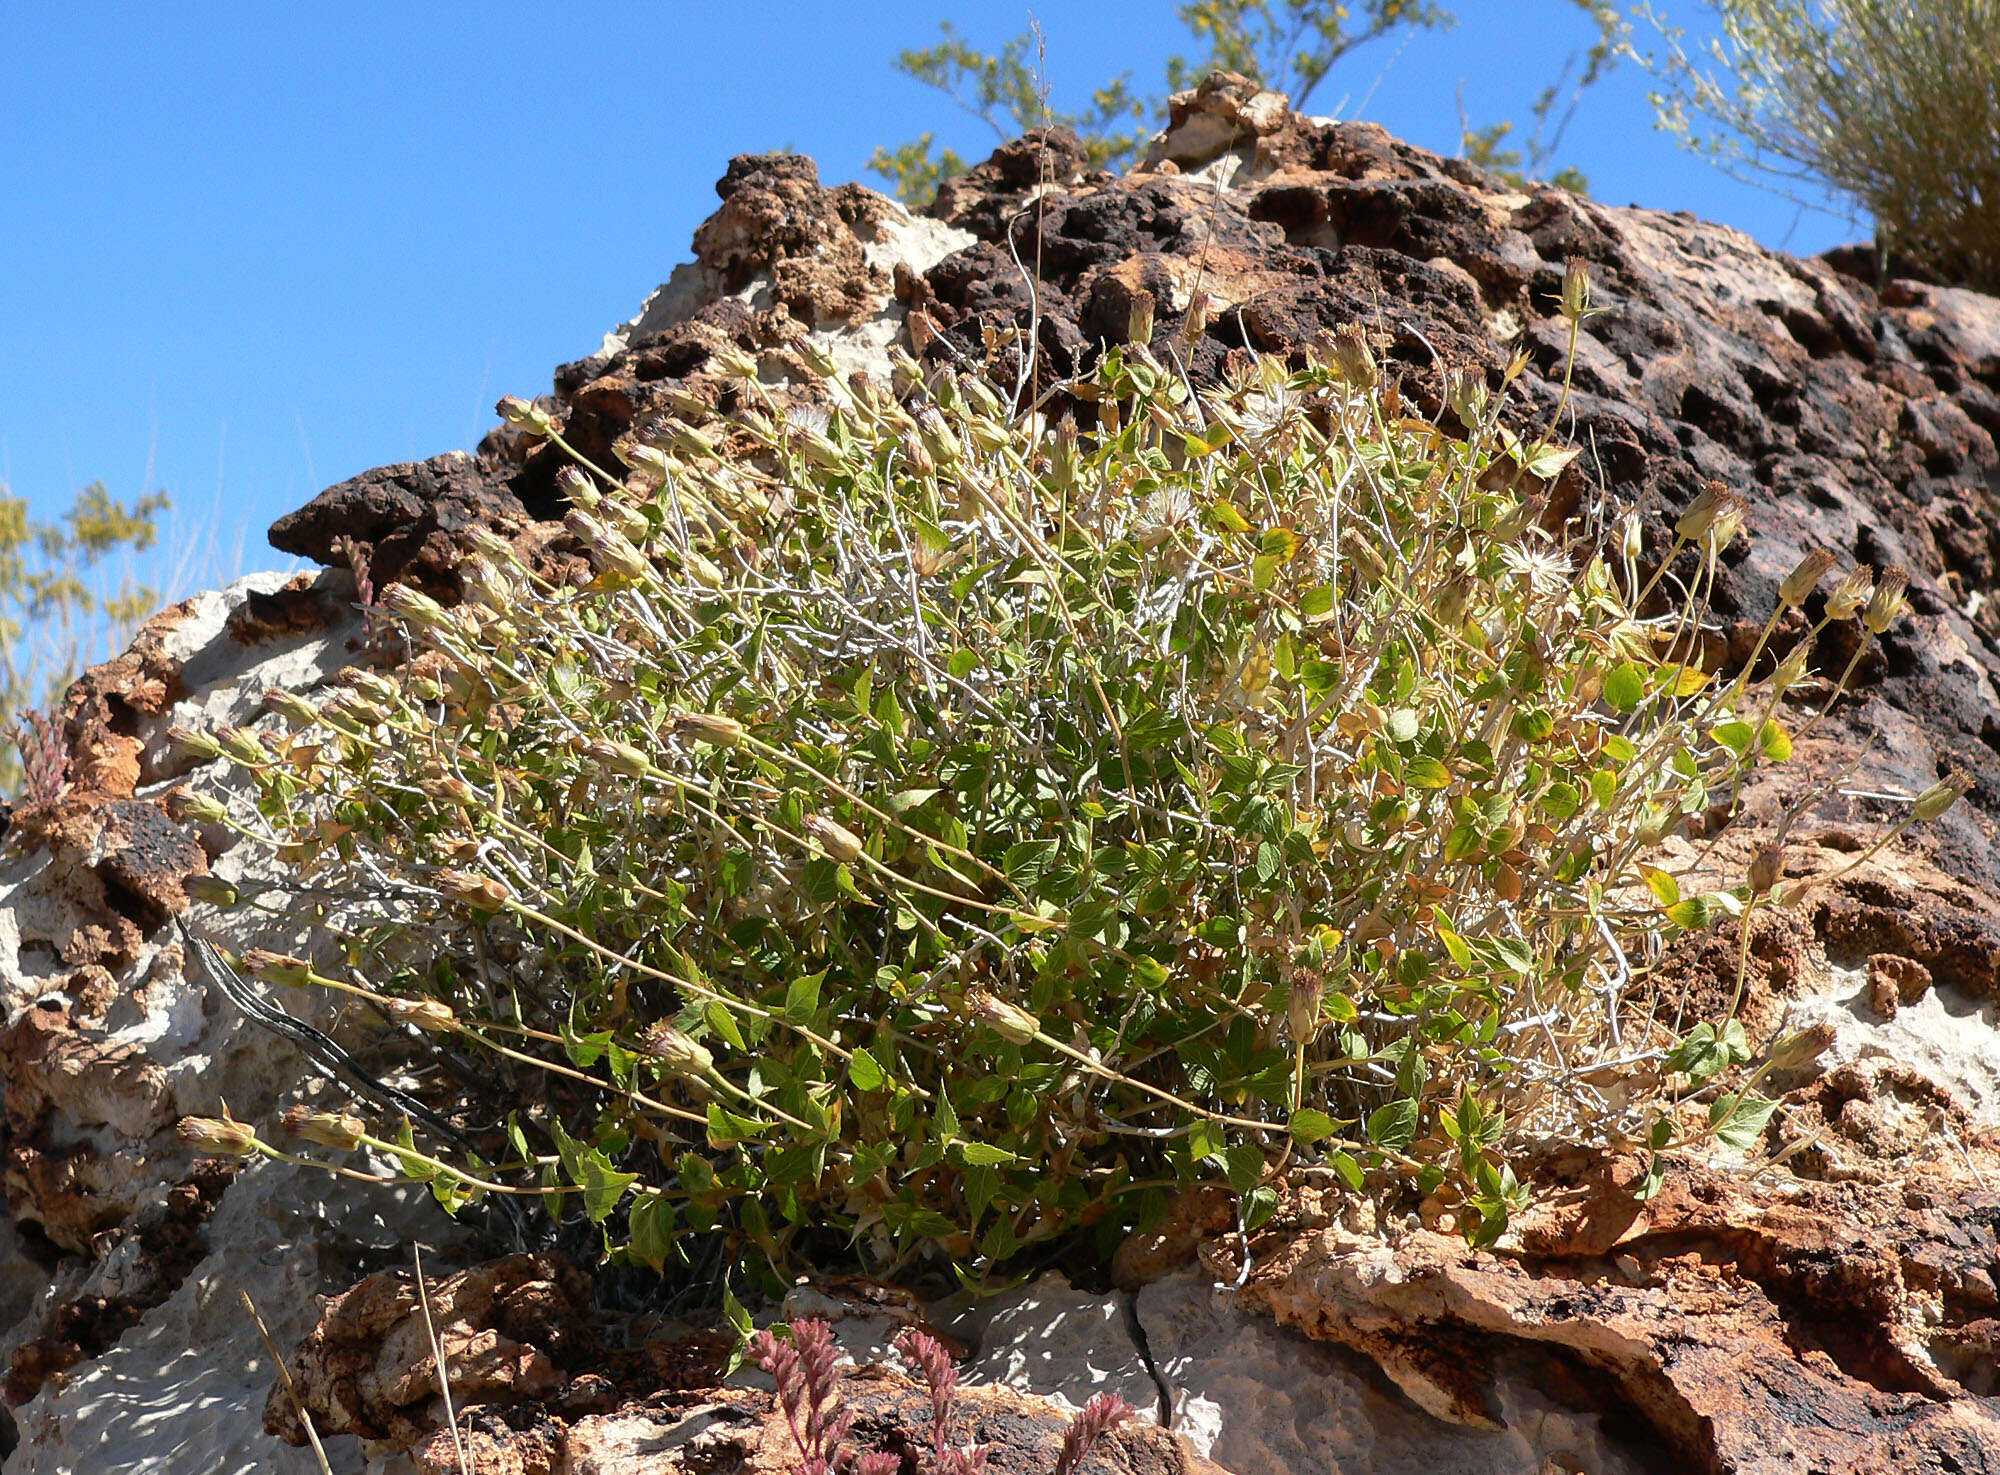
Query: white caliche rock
{"type": "Point", "coordinates": [108, 1059]}
{"type": "Point", "coordinates": [1259, 1399]}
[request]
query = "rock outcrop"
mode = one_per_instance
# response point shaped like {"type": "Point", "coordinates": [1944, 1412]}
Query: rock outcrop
{"type": "Point", "coordinates": [1836, 1310]}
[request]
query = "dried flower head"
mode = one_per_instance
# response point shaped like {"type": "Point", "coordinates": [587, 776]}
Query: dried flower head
{"type": "Point", "coordinates": [1850, 593]}
{"type": "Point", "coordinates": [1805, 577]}
{"type": "Point", "coordinates": [1891, 593]}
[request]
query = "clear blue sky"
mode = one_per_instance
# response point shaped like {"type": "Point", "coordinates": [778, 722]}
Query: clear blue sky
{"type": "Point", "coordinates": [249, 250]}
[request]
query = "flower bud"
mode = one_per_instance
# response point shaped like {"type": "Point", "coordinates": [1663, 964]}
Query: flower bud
{"type": "Point", "coordinates": [612, 552]}
{"type": "Point", "coordinates": [1730, 514]}
{"type": "Point", "coordinates": [1465, 393]}
{"type": "Point", "coordinates": [491, 546]}
{"type": "Point", "coordinates": [839, 842]}
{"type": "Point", "coordinates": [1302, 1008]}
{"type": "Point", "coordinates": [1139, 324]}
{"type": "Point", "coordinates": [433, 1016]}
{"type": "Point", "coordinates": [711, 727]}
{"type": "Point", "coordinates": [1792, 669]}
{"type": "Point", "coordinates": [481, 893]}
{"type": "Point", "coordinates": [1891, 593]}
{"type": "Point", "coordinates": [212, 890]}
{"type": "Point", "coordinates": [337, 1130]}
{"type": "Point", "coordinates": [1012, 1023]}
{"type": "Point", "coordinates": [1805, 577]}
{"type": "Point", "coordinates": [917, 456]}
{"type": "Point", "coordinates": [449, 789]}
{"type": "Point", "coordinates": [279, 968]}
{"type": "Point", "coordinates": [575, 487]}
{"type": "Point", "coordinates": [688, 443]}
{"type": "Point", "coordinates": [224, 1135]}
{"type": "Point", "coordinates": [291, 706]}
{"type": "Point", "coordinates": [1352, 358]}
{"type": "Point", "coordinates": [678, 1051]}
{"type": "Point", "coordinates": [199, 747]}
{"type": "Point", "coordinates": [1197, 318]}
{"type": "Point", "coordinates": [979, 394]}
{"type": "Point", "coordinates": [1767, 868]}
{"type": "Point", "coordinates": [816, 356]}
{"type": "Point", "coordinates": [1575, 289]}
{"type": "Point", "coordinates": [192, 808]}
{"type": "Point", "coordinates": [938, 437]}
{"type": "Point", "coordinates": [735, 363]}
{"type": "Point", "coordinates": [414, 607]}
{"type": "Point", "coordinates": [242, 747]}
{"type": "Point", "coordinates": [1850, 593]}
{"type": "Point", "coordinates": [529, 417]}
{"type": "Point", "coordinates": [1940, 796]}
{"type": "Point", "coordinates": [619, 758]}
{"type": "Point", "coordinates": [1634, 536]}
{"type": "Point", "coordinates": [1802, 1047]}
{"type": "Point", "coordinates": [1694, 522]}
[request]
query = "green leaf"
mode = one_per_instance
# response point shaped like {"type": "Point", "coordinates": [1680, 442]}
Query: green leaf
{"type": "Point", "coordinates": [602, 1185]}
{"type": "Point", "coordinates": [1739, 1120]}
{"type": "Point", "coordinates": [802, 998]}
{"type": "Point", "coordinates": [1666, 890]}
{"type": "Point", "coordinates": [1258, 1206]}
{"type": "Point", "coordinates": [1393, 1127]}
{"type": "Point", "coordinates": [1774, 742]}
{"type": "Point", "coordinates": [1347, 1170]}
{"type": "Point", "coordinates": [1244, 1164]}
{"type": "Point", "coordinates": [983, 1155]}
{"type": "Point", "coordinates": [865, 1073]}
{"type": "Point", "coordinates": [1692, 914]}
{"type": "Point", "coordinates": [1426, 773]}
{"type": "Point", "coordinates": [1735, 736]}
{"type": "Point", "coordinates": [1310, 1124]}
{"type": "Point", "coordinates": [1625, 687]}
{"type": "Point", "coordinates": [649, 1230]}
{"type": "Point", "coordinates": [723, 1023]}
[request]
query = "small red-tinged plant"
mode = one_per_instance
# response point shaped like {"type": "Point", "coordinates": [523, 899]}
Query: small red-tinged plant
{"type": "Point", "coordinates": [1099, 1416]}
{"type": "Point", "coordinates": [924, 1352]}
{"type": "Point", "coordinates": [807, 1371]}
{"type": "Point", "coordinates": [881, 1462]}
{"type": "Point", "coordinates": [44, 749]}
{"type": "Point", "coordinates": [970, 1460]}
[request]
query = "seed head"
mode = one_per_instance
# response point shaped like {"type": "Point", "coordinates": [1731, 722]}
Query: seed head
{"type": "Point", "coordinates": [1805, 577]}
{"type": "Point", "coordinates": [1940, 796]}
{"type": "Point", "coordinates": [1701, 512]}
{"type": "Point", "coordinates": [1353, 360]}
{"type": "Point", "coordinates": [529, 417]}
{"type": "Point", "coordinates": [280, 968]}
{"type": "Point", "coordinates": [1013, 1024]}
{"type": "Point", "coordinates": [836, 840]}
{"type": "Point", "coordinates": [1139, 325]}
{"type": "Point", "coordinates": [433, 1016]}
{"type": "Point", "coordinates": [1792, 669]}
{"type": "Point", "coordinates": [481, 893]}
{"type": "Point", "coordinates": [618, 758]}
{"type": "Point", "coordinates": [1767, 868]}
{"type": "Point", "coordinates": [678, 1051]}
{"type": "Point", "coordinates": [1891, 593]}
{"type": "Point", "coordinates": [1802, 1047]}
{"type": "Point", "coordinates": [1850, 593]}
{"type": "Point", "coordinates": [192, 808]}
{"type": "Point", "coordinates": [1575, 289]}
{"type": "Point", "coordinates": [340, 1131]}
{"type": "Point", "coordinates": [218, 1134]}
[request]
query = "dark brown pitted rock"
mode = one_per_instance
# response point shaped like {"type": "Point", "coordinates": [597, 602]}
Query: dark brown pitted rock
{"type": "Point", "coordinates": [411, 518]}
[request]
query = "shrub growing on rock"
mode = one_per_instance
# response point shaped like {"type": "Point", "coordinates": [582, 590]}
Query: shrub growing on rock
{"type": "Point", "coordinates": [943, 829]}
{"type": "Point", "coordinates": [1894, 105]}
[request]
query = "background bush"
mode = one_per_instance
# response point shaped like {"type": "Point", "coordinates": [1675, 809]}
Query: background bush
{"type": "Point", "coordinates": [1893, 104]}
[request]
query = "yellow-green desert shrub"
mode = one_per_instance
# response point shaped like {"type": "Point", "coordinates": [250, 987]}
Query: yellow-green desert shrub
{"type": "Point", "coordinates": [1892, 104]}
{"type": "Point", "coordinates": [945, 830]}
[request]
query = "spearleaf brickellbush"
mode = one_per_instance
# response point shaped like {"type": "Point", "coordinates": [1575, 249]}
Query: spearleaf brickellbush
{"type": "Point", "coordinates": [947, 829]}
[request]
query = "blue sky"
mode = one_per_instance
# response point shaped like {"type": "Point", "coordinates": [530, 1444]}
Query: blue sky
{"type": "Point", "coordinates": [250, 250]}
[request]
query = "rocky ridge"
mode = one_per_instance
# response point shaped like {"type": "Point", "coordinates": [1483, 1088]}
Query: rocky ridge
{"type": "Point", "coordinates": [1838, 1313]}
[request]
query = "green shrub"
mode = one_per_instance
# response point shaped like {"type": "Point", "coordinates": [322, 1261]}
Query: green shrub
{"type": "Point", "coordinates": [54, 610]}
{"type": "Point", "coordinates": [1892, 104]}
{"type": "Point", "coordinates": [945, 830]}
